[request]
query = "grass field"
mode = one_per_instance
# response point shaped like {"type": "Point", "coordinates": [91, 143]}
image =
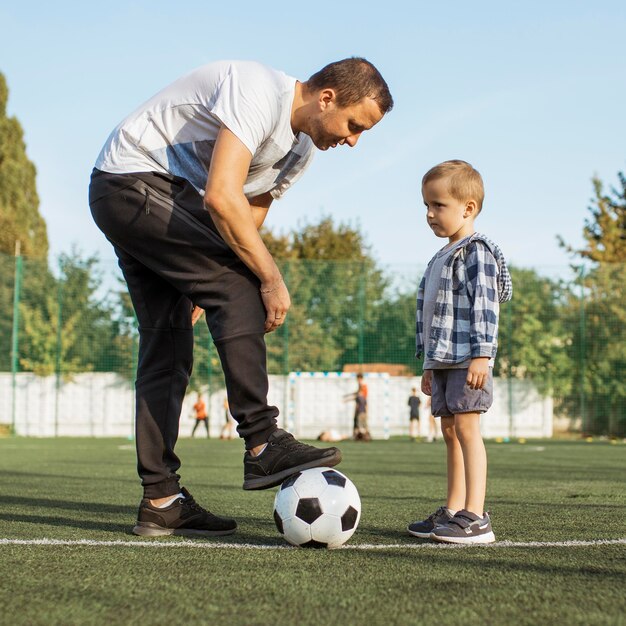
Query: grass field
{"type": "Point", "coordinates": [86, 489]}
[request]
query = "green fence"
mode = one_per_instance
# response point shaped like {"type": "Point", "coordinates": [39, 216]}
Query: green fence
{"type": "Point", "coordinates": [564, 329]}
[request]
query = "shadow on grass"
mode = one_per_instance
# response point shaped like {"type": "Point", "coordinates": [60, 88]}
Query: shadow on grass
{"type": "Point", "coordinates": [68, 505]}
{"type": "Point", "coordinates": [573, 505]}
{"type": "Point", "coordinates": [64, 522]}
{"type": "Point", "coordinates": [471, 558]}
{"type": "Point", "coordinates": [6, 475]}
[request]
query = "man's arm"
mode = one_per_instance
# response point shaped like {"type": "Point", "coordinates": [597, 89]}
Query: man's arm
{"type": "Point", "coordinates": [237, 221]}
{"type": "Point", "coordinates": [260, 206]}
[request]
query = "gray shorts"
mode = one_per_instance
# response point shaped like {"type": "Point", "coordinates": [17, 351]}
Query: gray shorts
{"type": "Point", "coordinates": [451, 394]}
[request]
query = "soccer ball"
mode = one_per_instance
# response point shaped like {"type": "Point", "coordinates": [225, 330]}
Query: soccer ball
{"type": "Point", "coordinates": [317, 508]}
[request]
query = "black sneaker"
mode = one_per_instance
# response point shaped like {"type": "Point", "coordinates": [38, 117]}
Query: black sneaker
{"type": "Point", "coordinates": [465, 527]}
{"type": "Point", "coordinates": [183, 517]}
{"type": "Point", "coordinates": [423, 529]}
{"type": "Point", "coordinates": [284, 456]}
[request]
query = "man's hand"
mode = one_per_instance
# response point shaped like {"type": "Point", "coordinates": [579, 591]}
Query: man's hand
{"type": "Point", "coordinates": [477, 373]}
{"type": "Point", "coordinates": [196, 314]}
{"type": "Point", "coordinates": [277, 302]}
{"type": "Point", "coordinates": [427, 382]}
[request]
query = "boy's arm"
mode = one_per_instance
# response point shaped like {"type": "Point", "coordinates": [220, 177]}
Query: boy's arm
{"type": "Point", "coordinates": [419, 319]}
{"type": "Point", "coordinates": [482, 289]}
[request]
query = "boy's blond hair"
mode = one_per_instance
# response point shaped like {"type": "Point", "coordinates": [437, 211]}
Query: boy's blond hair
{"type": "Point", "coordinates": [464, 182]}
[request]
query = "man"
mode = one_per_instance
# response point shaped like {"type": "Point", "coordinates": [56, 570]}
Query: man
{"type": "Point", "coordinates": [360, 429]}
{"type": "Point", "coordinates": [180, 189]}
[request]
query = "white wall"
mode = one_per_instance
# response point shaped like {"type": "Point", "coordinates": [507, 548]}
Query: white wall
{"type": "Point", "coordinates": [102, 405]}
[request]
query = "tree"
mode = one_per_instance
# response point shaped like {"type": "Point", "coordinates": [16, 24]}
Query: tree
{"type": "Point", "coordinates": [335, 286]}
{"type": "Point", "coordinates": [533, 337]}
{"type": "Point", "coordinates": [605, 231]}
{"type": "Point", "coordinates": [598, 315]}
{"type": "Point", "coordinates": [19, 204]}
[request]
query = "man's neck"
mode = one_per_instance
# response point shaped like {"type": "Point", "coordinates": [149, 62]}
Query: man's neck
{"type": "Point", "coordinates": [298, 108]}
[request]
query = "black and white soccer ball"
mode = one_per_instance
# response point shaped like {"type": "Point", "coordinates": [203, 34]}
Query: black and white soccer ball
{"type": "Point", "coordinates": [317, 508]}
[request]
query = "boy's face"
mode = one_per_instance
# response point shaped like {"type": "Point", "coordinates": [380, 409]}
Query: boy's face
{"type": "Point", "coordinates": [447, 216]}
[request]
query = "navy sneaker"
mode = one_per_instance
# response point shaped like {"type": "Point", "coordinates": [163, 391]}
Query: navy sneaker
{"type": "Point", "coordinates": [284, 456]}
{"type": "Point", "coordinates": [423, 529]}
{"type": "Point", "coordinates": [465, 527]}
{"type": "Point", "coordinates": [183, 517]}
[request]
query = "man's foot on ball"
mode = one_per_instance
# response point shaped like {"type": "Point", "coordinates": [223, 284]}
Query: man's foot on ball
{"type": "Point", "coordinates": [183, 517]}
{"type": "Point", "coordinates": [283, 456]}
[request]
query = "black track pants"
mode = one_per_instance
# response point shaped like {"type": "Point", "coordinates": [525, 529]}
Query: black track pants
{"type": "Point", "coordinates": [173, 258]}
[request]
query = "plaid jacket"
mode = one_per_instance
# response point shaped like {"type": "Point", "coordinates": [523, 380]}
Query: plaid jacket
{"type": "Point", "coordinates": [473, 282]}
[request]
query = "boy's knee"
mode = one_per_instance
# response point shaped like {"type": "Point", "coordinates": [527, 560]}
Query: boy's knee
{"type": "Point", "coordinates": [448, 429]}
{"type": "Point", "coordinates": [467, 427]}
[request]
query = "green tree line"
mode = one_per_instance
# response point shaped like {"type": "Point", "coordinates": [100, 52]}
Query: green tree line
{"type": "Point", "coordinates": [567, 336]}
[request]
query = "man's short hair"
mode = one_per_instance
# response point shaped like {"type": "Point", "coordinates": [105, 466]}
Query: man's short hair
{"type": "Point", "coordinates": [353, 79]}
{"type": "Point", "coordinates": [464, 182]}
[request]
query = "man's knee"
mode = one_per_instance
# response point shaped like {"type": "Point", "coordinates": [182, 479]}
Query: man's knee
{"type": "Point", "coordinates": [165, 349]}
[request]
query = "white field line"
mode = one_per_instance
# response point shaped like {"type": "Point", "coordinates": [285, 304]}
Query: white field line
{"type": "Point", "coordinates": [252, 546]}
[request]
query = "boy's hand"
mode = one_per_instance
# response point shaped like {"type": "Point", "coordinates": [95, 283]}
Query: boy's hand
{"type": "Point", "coordinates": [477, 373]}
{"type": "Point", "coordinates": [427, 381]}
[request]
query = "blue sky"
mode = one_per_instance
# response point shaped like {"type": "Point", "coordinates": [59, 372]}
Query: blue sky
{"type": "Point", "coordinates": [532, 94]}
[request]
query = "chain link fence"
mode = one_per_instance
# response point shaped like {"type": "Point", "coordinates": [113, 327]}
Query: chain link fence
{"type": "Point", "coordinates": [564, 332]}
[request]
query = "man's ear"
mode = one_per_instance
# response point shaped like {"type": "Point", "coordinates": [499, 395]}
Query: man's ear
{"type": "Point", "coordinates": [326, 97]}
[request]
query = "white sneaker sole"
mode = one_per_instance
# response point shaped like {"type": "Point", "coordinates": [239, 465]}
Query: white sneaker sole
{"type": "Point", "coordinates": [477, 539]}
{"type": "Point", "coordinates": [420, 535]}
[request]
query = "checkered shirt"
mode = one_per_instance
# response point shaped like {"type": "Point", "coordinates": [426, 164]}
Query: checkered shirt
{"type": "Point", "coordinates": [474, 281]}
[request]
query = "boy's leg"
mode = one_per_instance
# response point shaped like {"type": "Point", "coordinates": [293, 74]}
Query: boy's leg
{"type": "Point", "coordinates": [467, 427]}
{"type": "Point", "coordinates": [470, 524]}
{"type": "Point", "coordinates": [454, 454]}
{"type": "Point", "coordinates": [455, 464]}
{"type": "Point", "coordinates": [456, 474]}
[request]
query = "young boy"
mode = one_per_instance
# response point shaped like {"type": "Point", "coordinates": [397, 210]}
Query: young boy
{"type": "Point", "coordinates": [457, 328]}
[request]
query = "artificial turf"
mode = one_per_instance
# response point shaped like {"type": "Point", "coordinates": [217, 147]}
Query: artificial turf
{"type": "Point", "coordinates": [544, 491]}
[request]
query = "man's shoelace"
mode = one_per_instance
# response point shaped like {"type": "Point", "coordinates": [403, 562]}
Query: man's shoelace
{"type": "Point", "coordinates": [288, 440]}
{"type": "Point", "coordinates": [193, 505]}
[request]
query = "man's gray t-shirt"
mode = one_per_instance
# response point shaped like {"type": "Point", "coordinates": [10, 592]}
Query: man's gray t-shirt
{"type": "Point", "coordinates": [175, 131]}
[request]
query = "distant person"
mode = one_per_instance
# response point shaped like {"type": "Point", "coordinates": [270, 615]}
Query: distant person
{"type": "Point", "coordinates": [181, 188]}
{"type": "Point", "coordinates": [331, 436]}
{"type": "Point", "coordinates": [360, 428]}
{"type": "Point", "coordinates": [201, 416]}
{"type": "Point", "coordinates": [414, 414]}
{"type": "Point", "coordinates": [228, 429]}
{"type": "Point", "coordinates": [458, 304]}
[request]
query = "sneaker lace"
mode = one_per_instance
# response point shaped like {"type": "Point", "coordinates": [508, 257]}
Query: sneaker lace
{"type": "Point", "coordinates": [291, 441]}
{"type": "Point", "coordinates": [193, 505]}
{"type": "Point", "coordinates": [438, 513]}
